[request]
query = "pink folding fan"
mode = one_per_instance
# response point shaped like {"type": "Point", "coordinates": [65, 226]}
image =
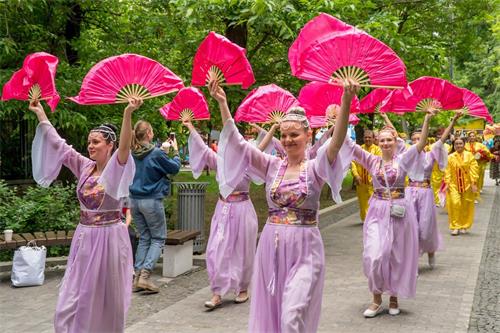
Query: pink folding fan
{"type": "Point", "coordinates": [372, 102]}
{"type": "Point", "coordinates": [35, 81]}
{"type": "Point", "coordinates": [316, 97]}
{"type": "Point", "coordinates": [220, 59]}
{"type": "Point", "coordinates": [426, 93]}
{"type": "Point", "coordinates": [320, 26]}
{"type": "Point", "coordinates": [350, 54]}
{"type": "Point", "coordinates": [265, 104]}
{"type": "Point", "coordinates": [188, 104]}
{"type": "Point", "coordinates": [119, 78]}
{"type": "Point", "coordinates": [322, 121]}
{"type": "Point", "coordinates": [474, 106]}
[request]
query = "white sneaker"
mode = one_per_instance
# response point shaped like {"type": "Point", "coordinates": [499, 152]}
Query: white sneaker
{"type": "Point", "coordinates": [454, 232]}
{"type": "Point", "coordinates": [463, 231]}
{"type": "Point", "coordinates": [369, 313]}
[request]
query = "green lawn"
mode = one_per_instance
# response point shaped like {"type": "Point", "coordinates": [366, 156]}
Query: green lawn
{"type": "Point", "coordinates": [257, 194]}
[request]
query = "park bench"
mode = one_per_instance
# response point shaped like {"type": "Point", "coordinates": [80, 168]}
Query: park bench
{"type": "Point", "coordinates": [177, 259]}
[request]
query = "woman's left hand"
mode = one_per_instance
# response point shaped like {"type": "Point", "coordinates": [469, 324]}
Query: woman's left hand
{"type": "Point", "coordinates": [351, 89]}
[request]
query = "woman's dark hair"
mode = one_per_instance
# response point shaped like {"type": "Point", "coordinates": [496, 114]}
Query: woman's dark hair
{"type": "Point", "coordinates": [464, 140]}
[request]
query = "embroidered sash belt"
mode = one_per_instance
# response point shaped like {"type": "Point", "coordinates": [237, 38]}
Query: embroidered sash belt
{"type": "Point", "coordinates": [292, 216]}
{"type": "Point", "coordinates": [98, 219]}
{"type": "Point", "coordinates": [426, 183]}
{"type": "Point", "coordinates": [396, 193]}
{"type": "Point", "coordinates": [236, 197]}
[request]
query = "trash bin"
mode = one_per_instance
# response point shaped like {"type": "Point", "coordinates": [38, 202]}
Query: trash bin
{"type": "Point", "coordinates": [191, 210]}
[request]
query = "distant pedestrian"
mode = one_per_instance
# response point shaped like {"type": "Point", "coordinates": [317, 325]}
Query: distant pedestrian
{"type": "Point", "coordinates": [495, 162]}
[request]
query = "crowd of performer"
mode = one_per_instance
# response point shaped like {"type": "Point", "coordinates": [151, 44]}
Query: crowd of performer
{"type": "Point", "coordinates": [399, 187]}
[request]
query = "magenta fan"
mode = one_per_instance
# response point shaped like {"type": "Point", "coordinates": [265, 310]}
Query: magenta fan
{"type": "Point", "coordinates": [35, 81]}
{"type": "Point", "coordinates": [424, 94]}
{"type": "Point", "coordinates": [220, 59]}
{"type": "Point", "coordinates": [317, 97]}
{"type": "Point", "coordinates": [474, 106]}
{"type": "Point", "coordinates": [265, 104]}
{"type": "Point", "coordinates": [320, 26]}
{"type": "Point", "coordinates": [372, 102]}
{"type": "Point", "coordinates": [119, 78]}
{"type": "Point", "coordinates": [322, 121]}
{"type": "Point", "coordinates": [349, 54]}
{"type": "Point", "coordinates": [188, 104]}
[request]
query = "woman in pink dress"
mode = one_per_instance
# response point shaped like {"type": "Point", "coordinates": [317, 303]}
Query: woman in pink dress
{"type": "Point", "coordinates": [390, 231]}
{"type": "Point", "coordinates": [96, 288]}
{"type": "Point", "coordinates": [420, 193]}
{"type": "Point", "coordinates": [233, 231]}
{"type": "Point", "coordinates": [288, 277]}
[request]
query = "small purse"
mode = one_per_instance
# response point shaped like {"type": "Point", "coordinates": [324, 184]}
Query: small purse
{"type": "Point", "coordinates": [396, 210]}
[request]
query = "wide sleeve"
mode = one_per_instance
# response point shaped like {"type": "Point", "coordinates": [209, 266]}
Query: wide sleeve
{"type": "Point", "coordinates": [313, 151]}
{"type": "Point", "coordinates": [116, 178]}
{"type": "Point", "coordinates": [474, 171]}
{"type": "Point", "coordinates": [448, 171]}
{"type": "Point", "coordinates": [400, 146]}
{"type": "Point", "coordinates": [200, 155]}
{"type": "Point", "coordinates": [236, 157]}
{"type": "Point", "coordinates": [366, 159]}
{"type": "Point", "coordinates": [334, 173]}
{"type": "Point", "coordinates": [354, 170]}
{"type": "Point", "coordinates": [50, 152]}
{"type": "Point", "coordinates": [439, 153]}
{"type": "Point", "coordinates": [412, 161]}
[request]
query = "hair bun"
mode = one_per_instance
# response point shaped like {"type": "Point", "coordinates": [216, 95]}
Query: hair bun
{"type": "Point", "coordinates": [298, 110]}
{"type": "Point", "coordinates": [112, 126]}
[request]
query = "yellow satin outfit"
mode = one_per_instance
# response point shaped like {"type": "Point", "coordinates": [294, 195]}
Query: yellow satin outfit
{"type": "Point", "coordinates": [437, 177]}
{"type": "Point", "coordinates": [364, 189]}
{"type": "Point", "coordinates": [462, 171]}
{"type": "Point", "coordinates": [474, 148]}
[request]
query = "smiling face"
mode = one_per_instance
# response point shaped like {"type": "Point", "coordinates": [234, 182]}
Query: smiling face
{"type": "Point", "coordinates": [472, 137]}
{"type": "Point", "coordinates": [459, 145]}
{"type": "Point", "coordinates": [294, 137]}
{"type": "Point", "coordinates": [387, 142]}
{"type": "Point", "coordinates": [99, 150]}
{"type": "Point", "coordinates": [415, 138]}
{"type": "Point", "coordinates": [368, 138]}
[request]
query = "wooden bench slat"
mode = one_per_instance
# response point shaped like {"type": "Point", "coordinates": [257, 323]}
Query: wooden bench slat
{"type": "Point", "coordinates": [70, 234]}
{"type": "Point", "coordinates": [2, 239]}
{"type": "Point", "coordinates": [28, 236]}
{"type": "Point", "coordinates": [181, 237]}
{"type": "Point", "coordinates": [50, 235]}
{"type": "Point", "coordinates": [61, 235]}
{"type": "Point", "coordinates": [40, 236]}
{"type": "Point", "coordinates": [19, 240]}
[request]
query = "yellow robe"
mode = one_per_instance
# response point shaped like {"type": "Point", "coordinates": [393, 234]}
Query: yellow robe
{"type": "Point", "coordinates": [437, 177]}
{"type": "Point", "coordinates": [364, 190]}
{"type": "Point", "coordinates": [462, 171]}
{"type": "Point", "coordinates": [482, 164]}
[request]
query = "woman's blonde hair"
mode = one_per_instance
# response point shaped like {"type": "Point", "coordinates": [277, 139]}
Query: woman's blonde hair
{"type": "Point", "coordinates": [139, 133]}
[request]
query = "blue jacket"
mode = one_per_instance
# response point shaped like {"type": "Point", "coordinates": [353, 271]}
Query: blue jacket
{"type": "Point", "coordinates": [151, 169]}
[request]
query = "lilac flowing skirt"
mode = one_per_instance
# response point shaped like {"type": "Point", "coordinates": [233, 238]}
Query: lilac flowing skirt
{"type": "Point", "coordinates": [231, 247]}
{"type": "Point", "coordinates": [390, 254]}
{"type": "Point", "coordinates": [96, 289]}
{"type": "Point", "coordinates": [430, 239]}
{"type": "Point", "coordinates": [288, 278]}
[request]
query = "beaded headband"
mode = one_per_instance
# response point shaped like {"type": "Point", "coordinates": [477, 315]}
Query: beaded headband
{"type": "Point", "coordinates": [291, 116]}
{"type": "Point", "coordinates": [106, 131]}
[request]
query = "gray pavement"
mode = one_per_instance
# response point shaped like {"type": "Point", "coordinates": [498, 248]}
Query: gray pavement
{"type": "Point", "coordinates": [445, 295]}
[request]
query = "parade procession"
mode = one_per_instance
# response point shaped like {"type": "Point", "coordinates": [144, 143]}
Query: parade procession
{"type": "Point", "coordinates": [332, 182]}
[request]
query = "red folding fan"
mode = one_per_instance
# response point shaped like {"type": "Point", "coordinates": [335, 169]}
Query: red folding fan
{"type": "Point", "coordinates": [322, 121]}
{"type": "Point", "coordinates": [317, 28]}
{"type": "Point", "coordinates": [371, 103]}
{"type": "Point", "coordinates": [351, 55]}
{"type": "Point", "coordinates": [316, 97]}
{"type": "Point", "coordinates": [119, 78]}
{"type": "Point", "coordinates": [188, 104]}
{"type": "Point", "coordinates": [35, 81]}
{"type": "Point", "coordinates": [217, 58]}
{"type": "Point", "coordinates": [265, 104]}
{"type": "Point", "coordinates": [474, 106]}
{"type": "Point", "coordinates": [425, 93]}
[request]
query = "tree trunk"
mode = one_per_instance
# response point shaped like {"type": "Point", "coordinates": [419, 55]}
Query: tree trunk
{"type": "Point", "coordinates": [72, 31]}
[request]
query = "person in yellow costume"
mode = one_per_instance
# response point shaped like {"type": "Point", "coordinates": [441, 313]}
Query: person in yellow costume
{"type": "Point", "coordinates": [461, 178]}
{"type": "Point", "coordinates": [361, 177]}
{"type": "Point", "coordinates": [482, 155]}
{"type": "Point", "coordinates": [437, 175]}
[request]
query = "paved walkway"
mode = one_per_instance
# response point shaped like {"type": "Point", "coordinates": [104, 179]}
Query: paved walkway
{"type": "Point", "coordinates": [445, 296]}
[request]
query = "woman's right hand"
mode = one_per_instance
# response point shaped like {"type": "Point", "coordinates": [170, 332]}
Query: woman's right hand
{"type": "Point", "coordinates": [36, 107]}
{"type": "Point", "coordinates": [188, 124]}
